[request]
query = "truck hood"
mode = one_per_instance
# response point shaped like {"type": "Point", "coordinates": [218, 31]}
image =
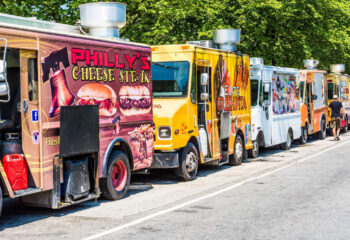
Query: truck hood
{"type": "Point", "coordinates": [168, 108]}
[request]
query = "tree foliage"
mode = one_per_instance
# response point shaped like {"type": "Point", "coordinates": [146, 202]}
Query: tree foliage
{"type": "Point", "coordinates": [283, 32]}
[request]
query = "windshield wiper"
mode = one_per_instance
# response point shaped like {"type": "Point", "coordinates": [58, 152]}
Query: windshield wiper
{"type": "Point", "coordinates": [164, 66]}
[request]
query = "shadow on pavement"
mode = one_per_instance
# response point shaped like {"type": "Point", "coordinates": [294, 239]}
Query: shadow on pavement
{"type": "Point", "coordinates": [14, 214]}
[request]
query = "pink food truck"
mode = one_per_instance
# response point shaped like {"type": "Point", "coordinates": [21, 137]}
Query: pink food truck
{"type": "Point", "coordinates": [76, 108]}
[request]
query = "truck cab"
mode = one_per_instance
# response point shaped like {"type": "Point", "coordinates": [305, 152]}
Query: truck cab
{"type": "Point", "coordinates": [201, 106]}
{"type": "Point", "coordinates": [275, 104]}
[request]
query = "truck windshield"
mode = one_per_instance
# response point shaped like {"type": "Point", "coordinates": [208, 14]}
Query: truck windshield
{"type": "Point", "coordinates": [254, 86]}
{"type": "Point", "coordinates": [170, 79]}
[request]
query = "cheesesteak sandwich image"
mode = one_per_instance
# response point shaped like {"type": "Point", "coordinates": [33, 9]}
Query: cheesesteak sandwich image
{"type": "Point", "coordinates": [98, 94]}
{"type": "Point", "coordinates": [134, 100]}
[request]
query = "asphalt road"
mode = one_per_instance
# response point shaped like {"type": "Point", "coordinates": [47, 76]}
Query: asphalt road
{"type": "Point", "coordinates": [303, 193]}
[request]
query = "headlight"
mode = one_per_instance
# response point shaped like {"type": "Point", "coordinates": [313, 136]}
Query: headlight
{"type": "Point", "coordinates": [164, 132]}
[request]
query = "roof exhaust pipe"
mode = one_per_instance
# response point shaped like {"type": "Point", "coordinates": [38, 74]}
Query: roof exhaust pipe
{"type": "Point", "coordinates": [310, 64]}
{"type": "Point", "coordinates": [337, 68]}
{"type": "Point", "coordinates": [227, 39]}
{"type": "Point", "coordinates": [103, 19]}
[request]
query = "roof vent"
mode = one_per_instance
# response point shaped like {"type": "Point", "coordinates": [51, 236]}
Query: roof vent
{"type": "Point", "coordinates": [227, 39]}
{"type": "Point", "coordinates": [256, 61]}
{"type": "Point", "coordinates": [103, 19]}
{"type": "Point", "coordinates": [311, 64]}
{"type": "Point", "coordinates": [202, 43]}
{"type": "Point", "coordinates": [337, 68]}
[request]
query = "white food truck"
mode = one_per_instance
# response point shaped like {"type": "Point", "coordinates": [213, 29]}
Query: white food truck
{"type": "Point", "coordinates": [275, 104]}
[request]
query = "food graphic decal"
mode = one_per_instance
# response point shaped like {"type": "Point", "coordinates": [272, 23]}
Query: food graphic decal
{"type": "Point", "coordinates": [230, 97]}
{"type": "Point", "coordinates": [115, 82]}
{"type": "Point", "coordinates": [134, 100]}
{"type": "Point", "coordinates": [60, 93]}
{"type": "Point", "coordinates": [283, 90]}
{"type": "Point", "coordinates": [98, 94]}
{"type": "Point", "coordinates": [142, 145]}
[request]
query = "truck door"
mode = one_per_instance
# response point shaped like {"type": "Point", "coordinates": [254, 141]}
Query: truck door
{"type": "Point", "coordinates": [29, 107]}
{"type": "Point", "coordinates": [310, 106]}
{"type": "Point", "coordinates": [204, 106]}
{"type": "Point", "coordinates": [267, 104]}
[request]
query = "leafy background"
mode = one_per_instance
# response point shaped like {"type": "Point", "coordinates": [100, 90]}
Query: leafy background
{"type": "Point", "coordinates": [283, 32]}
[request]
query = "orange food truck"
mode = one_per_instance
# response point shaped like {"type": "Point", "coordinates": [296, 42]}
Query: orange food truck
{"type": "Point", "coordinates": [201, 103]}
{"type": "Point", "coordinates": [338, 84]}
{"type": "Point", "coordinates": [76, 109]}
{"type": "Point", "coordinates": [313, 94]}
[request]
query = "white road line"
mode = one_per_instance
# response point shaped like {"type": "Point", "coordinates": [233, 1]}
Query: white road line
{"type": "Point", "coordinates": [143, 219]}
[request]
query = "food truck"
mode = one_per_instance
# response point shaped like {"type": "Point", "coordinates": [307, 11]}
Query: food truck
{"type": "Point", "coordinates": [275, 102]}
{"type": "Point", "coordinates": [201, 104]}
{"type": "Point", "coordinates": [76, 109]}
{"type": "Point", "coordinates": [313, 94]}
{"type": "Point", "coordinates": [338, 84]}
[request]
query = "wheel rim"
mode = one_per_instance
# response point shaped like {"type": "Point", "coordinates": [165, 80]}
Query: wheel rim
{"type": "Point", "coordinates": [119, 175]}
{"type": "Point", "coordinates": [255, 148]}
{"type": "Point", "coordinates": [191, 162]}
{"type": "Point", "coordinates": [239, 150]}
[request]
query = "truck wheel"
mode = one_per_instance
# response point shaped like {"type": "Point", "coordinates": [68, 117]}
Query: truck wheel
{"type": "Point", "coordinates": [117, 182]}
{"type": "Point", "coordinates": [304, 135]}
{"type": "Point", "coordinates": [188, 165]}
{"type": "Point", "coordinates": [254, 152]}
{"type": "Point", "coordinates": [323, 132]}
{"type": "Point", "coordinates": [236, 158]}
{"type": "Point", "coordinates": [288, 144]}
{"type": "Point", "coordinates": [0, 201]}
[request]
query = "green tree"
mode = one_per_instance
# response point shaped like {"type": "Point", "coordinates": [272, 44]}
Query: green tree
{"type": "Point", "coordinates": [283, 32]}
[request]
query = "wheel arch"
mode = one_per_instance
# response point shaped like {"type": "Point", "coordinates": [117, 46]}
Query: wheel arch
{"type": "Point", "coordinates": [194, 141]}
{"type": "Point", "coordinates": [118, 144]}
{"type": "Point", "coordinates": [261, 138]}
{"type": "Point", "coordinates": [290, 130]}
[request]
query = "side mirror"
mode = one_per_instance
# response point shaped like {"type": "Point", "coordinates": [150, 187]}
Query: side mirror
{"type": "Point", "coordinates": [267, 88]}
{"type": "Point", "coordinates": [204, 96]}
{"type": "Point", "coordinates": [266, 102]}
{"type": "Point", "coordinates": [204, 79]}
{"type": "Point", "coordinates": [4, 87]}
{"type": "Point", "coordinates": [314, 97]}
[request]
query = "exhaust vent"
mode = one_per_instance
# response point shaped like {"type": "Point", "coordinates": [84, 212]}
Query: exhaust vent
{"type": "Point", "coordinates": [227, 39]}
{"type": "Point", "coordinates": [103, 19]}
{"type": "Point", "coordinates": [202, 43]}
{"type": "Point", "coordinates": [337, 68]}
{"type": "Point", "coordinates": [256, 61]}
{"type": "Point", "coordinates": [310, 64]}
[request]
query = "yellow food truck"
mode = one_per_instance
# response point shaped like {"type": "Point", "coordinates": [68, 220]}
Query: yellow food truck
{"type": "Point", "coordinates": [201, 104]}
{"type": "Point", "coordinates": [338, 84]}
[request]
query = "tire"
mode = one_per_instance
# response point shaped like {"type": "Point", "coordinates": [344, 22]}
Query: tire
{"type": "Point", "coordinates": [236, 158]}
{"type": "Point", "coordinates": [323, 133]}
{"type": "Point", "coordinates": [117, 182]}
{"type": "Point", "coordinates": [1, 199]}
{"type": "Point", "coordinates": [304, 135]}
{"type": "Point", "coordinates": [288, 144]}
{"type": "Point", "coordinates": [188, 164]}
{"type": "Point", "coordinates": [254, 152]}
